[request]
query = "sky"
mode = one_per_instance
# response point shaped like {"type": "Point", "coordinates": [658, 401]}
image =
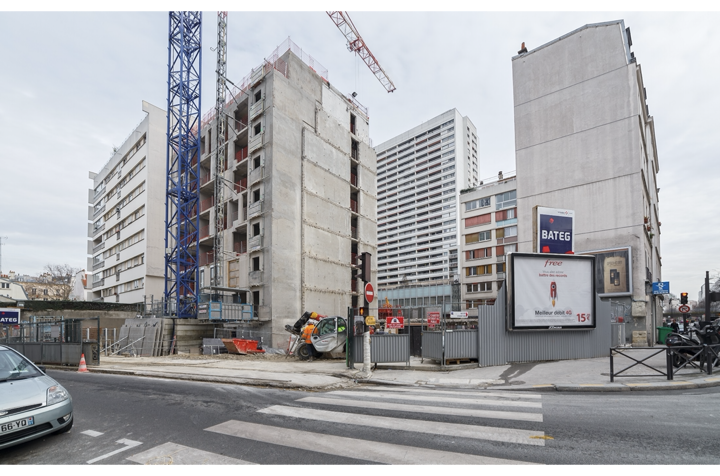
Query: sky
{"type": "Point", "coordinates": [72, 85]}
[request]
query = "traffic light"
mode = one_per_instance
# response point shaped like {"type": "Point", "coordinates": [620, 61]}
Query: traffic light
{"type": "Point", "coordinates": [683, 298]}
{"type": "Point", "coordinates": [362, 270]}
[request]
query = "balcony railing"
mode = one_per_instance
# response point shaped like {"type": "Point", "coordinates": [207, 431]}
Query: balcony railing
{"type": "Point", "coordinates": [256, 174]}
{"type": "Point", "coordinates": [98, 229]}
{"type": "Point", "coordinates": [205, 178]}
{"type": "Point", "coordinates": [256, 142]}
{"type": "Point", "coordinates": [501, 259]}
{"type": "Point", "coordinates": [255, 278]}
{"type": "Point", "coordinates": [255, 208]}
{"type": "Point", "coordinates": [97, 248]}
{"type": "Point", "coordinates": [97, 284]}
{"type": "Point", "coordinates": [256, 108]}
{"type": "Point", "coordinates": [206, 258]}
{"type": "Point", "coordinates": [98, 265]}
{"type": "Point", "coordinates": [255, 243]}
{"type": "Point", "coordinates": [206, 204]}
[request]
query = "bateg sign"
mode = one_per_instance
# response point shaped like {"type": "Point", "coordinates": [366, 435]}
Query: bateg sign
{"type": "Point", "coordinates": [555, 231]}
{"type": "Point", "coordinates": [9, 316]}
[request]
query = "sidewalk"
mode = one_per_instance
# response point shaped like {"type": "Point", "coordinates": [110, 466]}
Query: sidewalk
{"type": "Point", "coordinates": [590, 375]}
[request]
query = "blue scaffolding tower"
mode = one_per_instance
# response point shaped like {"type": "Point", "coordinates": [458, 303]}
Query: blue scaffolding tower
{"type": "Point", "coordinates": [183, 154]}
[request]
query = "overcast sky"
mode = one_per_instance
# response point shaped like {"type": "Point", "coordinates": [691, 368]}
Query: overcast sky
{"type": "Point", "coordinates": [72, 86]}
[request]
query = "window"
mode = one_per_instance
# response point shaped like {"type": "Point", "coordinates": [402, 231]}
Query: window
{"type": "Point", "coordinates": [352, 123]}
{"type": "Point", "coordinates": [256, 264]}
{"type": "Point", "coordinates": [476, 237]}
{"type": "Point", "coordinates": [326, 326]}
{"type": "Point", "coordinates": [256, 195]}
{"type": "Point", "coordinates": [506, 200]}
{"type": "Point", "coordinates": [478, 254]}
{"type": "Point", "coordinates": [258, 129]}
{"type": "Point", "coordinates": [256, 162]}
{"type": "Point", "coordinates": [479, 203]}
{"type": "Point", "coordinates": [478, 220]}
{"type": "Point", "coordinates": [256, 229]}
{"type": "Point", "coordinates": [256, 298]}
{"type": "Point", "coordinates": [478, 270]}
{"type": "Point", "coordinates": [479, 287]}
{"type": "Point", "coordinates": [506, 214]}
{"type": "Point", "coordinates": [354, 149]}
{"type": "Point", "coordinates": [258, 96]}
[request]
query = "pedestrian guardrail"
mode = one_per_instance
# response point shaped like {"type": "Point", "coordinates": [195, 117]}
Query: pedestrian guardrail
{"type": "Point", "coordinates": [700, 357]}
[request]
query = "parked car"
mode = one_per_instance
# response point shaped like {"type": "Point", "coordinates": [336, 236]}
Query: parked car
{"type": "Point", "coordinates": [32, 404]}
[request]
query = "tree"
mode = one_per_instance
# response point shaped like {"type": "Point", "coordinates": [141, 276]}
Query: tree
{"type": "Point", "coordinates": [61, 275]}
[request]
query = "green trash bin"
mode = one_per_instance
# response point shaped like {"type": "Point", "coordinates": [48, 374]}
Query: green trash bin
{"type": "Point", "coordinates": [663, 332]}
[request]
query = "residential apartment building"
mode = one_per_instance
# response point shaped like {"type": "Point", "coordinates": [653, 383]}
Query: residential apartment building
{"type": "Point", "coordinates": [300, 205]}
{"type": "Point", "coordinates": [489, 231]}
{"type": "Point", "coordinates": [127, 216]}
{"type": "Point", "coordinates": [585, 141]}
{"type": "Point", "coordinates": [11, 291]}
{"type": "Point", "coordinates": [420, 174]}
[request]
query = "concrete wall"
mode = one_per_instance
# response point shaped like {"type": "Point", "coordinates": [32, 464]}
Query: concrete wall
{"type": "Point", "coordinates": [581, 139]}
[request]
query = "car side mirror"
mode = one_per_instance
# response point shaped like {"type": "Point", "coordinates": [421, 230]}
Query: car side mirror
{"type": "Point", "coordinates": [42, 369]}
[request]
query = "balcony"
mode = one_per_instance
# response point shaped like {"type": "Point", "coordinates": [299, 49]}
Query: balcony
{"type": "Point", "coordinates": [501, 275]}
{"type": "Point", "coordinates": [255, 243]}
{"type": "Point", "coordinates": [501, 259]}
{"type": "Point", "coordinates": [98, 211]}
{"type": "Point", "coordinates": [97, 284]}
{"type": "Point", "coordinates": [206, 204]}
{"type": "Point", "coordinates": [206, 258]}
{"type": "Point", "coordinates": [205, 178]}
{"type": "Point", "coordinates": [256, 142]}
{"type": "Point", "coordinates": [256, 174]}
{"type": "Point", "coordinates": [509, 239]}
{"type": "Point", "coordinates": [98, 229]}
{"type": "Point", "coordinates": [240, 247]}
{"type": "Point", "coordinates": [255, 209]}
{"type": "Point", "coordinates": [257, 108]}
{"type": "Point", "coordinates": [241, 186]}
{"type": "Point", "coordinates": [241, 155]}
{"type": "Point", "coordinates": [255, 278]}
{"type": "Point", "coordinates": [204, 231]}
{"type": "Point", "coordinates": [97, 248]}
{"type": "Point", "coordinates": [98, 265]}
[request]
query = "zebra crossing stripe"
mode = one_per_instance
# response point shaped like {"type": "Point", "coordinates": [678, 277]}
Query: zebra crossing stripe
{"type": "Point", "coordinates": [466, 412]}
{"type": "Point", "coordinates": [513, 394]}
{"type": "Point", "coordinates": [174, 454]}
{"type": "Point", "coordinates": [438, 399]}
{"type": "Point", "coordinates": [506, 435]}
{"type": "Point", "coordinates": [386, 453]}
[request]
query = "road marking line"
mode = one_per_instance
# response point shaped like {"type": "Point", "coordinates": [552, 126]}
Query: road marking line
{"type": "Point", "coordinates": [507, 435]}
{"type": "Point", "coordinates": [429, 409]}
{"type": "Point", "coordinates": [482, 393]}
{"type": "Point", "coordinates": [543, 385]}
{"type": "Point", "coordinates": [128, 444]}
{"type": "Point", "coordinates": [592, 384]}
{"type": "Point", "coordinates": [173, 453]}
{"type": "Point", "coordinates": [92, 433]}
{"type": "Point", "coordinates": [637, 384]}
{"type": "Point", "coordinates": [386, 453]}
{"type": "Point", "coordinates": [436, 399]}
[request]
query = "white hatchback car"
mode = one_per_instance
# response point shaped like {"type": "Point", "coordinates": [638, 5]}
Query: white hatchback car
{"type": "Point", "coordinates": [32, 404]}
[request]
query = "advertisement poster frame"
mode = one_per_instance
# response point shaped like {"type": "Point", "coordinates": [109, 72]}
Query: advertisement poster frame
{"type": "Point", "coordinates": [511, 295]}
{"type": "Point", "coordinates": [541, 211]}
{"type": "Point", "coordinates": [600, 256]}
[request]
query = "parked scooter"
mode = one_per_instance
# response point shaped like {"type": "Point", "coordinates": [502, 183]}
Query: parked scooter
{"type": "Point", "coordinates": [690, 345]}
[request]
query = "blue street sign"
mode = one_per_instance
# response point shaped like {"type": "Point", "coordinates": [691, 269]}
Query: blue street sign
{"type": "Point", "coordinates": [661, 288]}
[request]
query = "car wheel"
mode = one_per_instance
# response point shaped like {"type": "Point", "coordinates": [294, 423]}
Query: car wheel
{"type": "Point", "coordinates": [66, 428]}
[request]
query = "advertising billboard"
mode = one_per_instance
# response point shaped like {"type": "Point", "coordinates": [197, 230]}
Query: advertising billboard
{"type": "Point", "coordinates": [555, 230]}
{"type": "Point", "coordinates": [613, 271]}
{"type": "Point", "coordinates": [9, 316]}
{"type": "Point", "coordinates": [551, 291]}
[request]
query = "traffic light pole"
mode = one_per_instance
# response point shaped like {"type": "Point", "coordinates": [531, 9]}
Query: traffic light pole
{"type": "Point", "coordinates": [707, 296]}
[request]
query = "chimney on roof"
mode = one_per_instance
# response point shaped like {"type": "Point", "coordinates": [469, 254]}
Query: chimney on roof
{"type": "Point", "coordinates": [522, 49]}
{"type": "Point", "coordinates": [500, 175]}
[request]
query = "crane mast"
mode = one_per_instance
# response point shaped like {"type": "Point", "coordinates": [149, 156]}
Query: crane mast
{"type": "Point", "coordinates": [220, 144]}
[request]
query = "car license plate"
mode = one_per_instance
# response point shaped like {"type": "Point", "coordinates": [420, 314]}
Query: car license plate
{"type": "Point", "coordinates": [17, 425]}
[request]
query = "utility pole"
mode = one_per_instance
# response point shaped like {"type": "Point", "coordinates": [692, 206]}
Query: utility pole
{"type": "Point", "coordinates": [1, 243]}
{"type": "Point", "coordinates": [220, 143]}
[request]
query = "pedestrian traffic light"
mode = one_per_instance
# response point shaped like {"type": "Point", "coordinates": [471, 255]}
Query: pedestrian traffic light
{"type": "Point", "coordinates": [683, 298]}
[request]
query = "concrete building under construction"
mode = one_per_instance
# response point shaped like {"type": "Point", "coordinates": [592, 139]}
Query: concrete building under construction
{"type": "Point", "coordinates": [299, 203]}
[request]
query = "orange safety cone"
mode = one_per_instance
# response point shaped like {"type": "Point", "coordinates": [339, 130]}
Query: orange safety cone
{"type": "Point", "coordinates": [83, 365]}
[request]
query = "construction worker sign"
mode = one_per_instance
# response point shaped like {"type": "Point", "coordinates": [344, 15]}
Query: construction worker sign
{"type": "Point", "coordinates": [395, 322]}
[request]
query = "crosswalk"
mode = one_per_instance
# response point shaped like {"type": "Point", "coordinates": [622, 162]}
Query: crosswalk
{"type": "Point", "coordinates": [404, 423]}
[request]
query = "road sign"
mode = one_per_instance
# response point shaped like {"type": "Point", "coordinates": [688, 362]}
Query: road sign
{"type": "Point", "coordinates": [433, 319]}
{"type": "Point", "coordinates": [369, 292]}
{"type": "Point", "coordinates": [661, 288]}
{"type": "Point", "coordinates": [458, 315]}
{"type": "Point", "coordinates": [395, 322]}
{"type": "Point", "coordinates": [684, 308]}
{"type": "Point", "coordinates": [370, 321]}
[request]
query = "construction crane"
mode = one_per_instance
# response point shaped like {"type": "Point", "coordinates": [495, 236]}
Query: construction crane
{"type": "Point", "coordinates": [183, 155]}
{"type": "Point", "coordinates": [220, 144]}
{"type": "Point", "coordinates": [357, 44]}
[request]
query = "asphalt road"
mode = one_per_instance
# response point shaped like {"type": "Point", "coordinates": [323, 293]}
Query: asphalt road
{"type": "Point", "coordinates": [133, 420]}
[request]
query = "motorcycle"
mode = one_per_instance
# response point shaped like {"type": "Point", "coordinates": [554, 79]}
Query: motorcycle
{"type": "Point", "coordinates": [690, 347]}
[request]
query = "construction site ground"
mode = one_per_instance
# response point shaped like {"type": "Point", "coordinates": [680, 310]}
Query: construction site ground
{"type": "Point", "coordinates": [276, 370]}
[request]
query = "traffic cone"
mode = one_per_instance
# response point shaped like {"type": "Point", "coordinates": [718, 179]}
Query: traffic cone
{"type": "Point", "coordinates": [83, 365]}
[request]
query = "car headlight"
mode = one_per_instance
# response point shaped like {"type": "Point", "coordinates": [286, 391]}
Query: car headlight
{"type": "Point", "coordinates": [56, 394]}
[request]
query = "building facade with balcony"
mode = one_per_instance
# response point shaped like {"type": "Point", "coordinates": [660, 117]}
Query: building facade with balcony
{"type": "Point", "coordinates": [585, 141]}
{"type": "Point", "coordinates": [126, 214]}
{"type": "Point", "coordinates": [489, 229]}
{"type": "Point", "coordinates": [300, 199]}
{"type": "Point", "coordinates": [420, 174]}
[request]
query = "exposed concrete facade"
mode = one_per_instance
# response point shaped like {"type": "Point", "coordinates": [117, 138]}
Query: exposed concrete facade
{"type": "Point", "coordinates": [584, 141]}
{"type": "Point", "coordinates": [127, 216]}
{"type": "Point", "coordinates": [303, 199]}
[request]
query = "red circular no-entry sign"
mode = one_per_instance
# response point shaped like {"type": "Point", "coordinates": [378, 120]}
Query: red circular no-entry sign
{"type": "Point", "coordinates": [369, 292]}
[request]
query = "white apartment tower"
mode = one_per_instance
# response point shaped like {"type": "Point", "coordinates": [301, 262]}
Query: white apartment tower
{"type": "Point", "coordinates": [127, 216]}
{"type": "Point", "coordinates": [420, 175]}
